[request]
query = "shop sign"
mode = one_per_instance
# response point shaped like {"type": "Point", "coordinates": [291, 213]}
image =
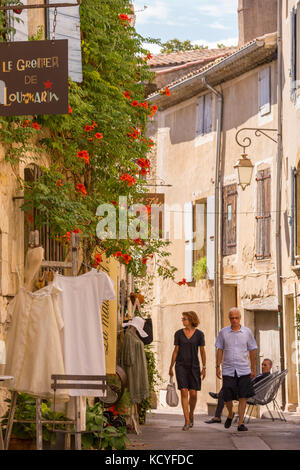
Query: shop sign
{"type": "Point", "coordinates": [34, 77]}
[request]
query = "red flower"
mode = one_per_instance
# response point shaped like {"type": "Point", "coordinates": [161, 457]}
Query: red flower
{"type": "Point", "coordinates": [130, 179]}
{"type": "Point", "coordinates": [149, 56]}
{"type": "Point", "coordinates": [144, 260]}
{"type": "Point", "coordinates": [138, 241]}
{"type": "Point", "coordinates": [118, 254]}
{"type": "Point", "coordinates": [126, 258]}
{"type": "Point", "coordinates": [18, 11]}
{"type": "Point", "coordinates": [167, 91]}
{"type": "Point", "coordinates": [154, 109]}
{"type": "Point", "coordinates": [26, 123]}
{"type": "Point", "coordinates": [183, 282]}
{"type": "Point", "coordinates": [134, 103]}
{"type": "Point", "coordinates": [77, 230]}
{"type": "Point", "coordinates": [59, 183]}
{"type": "Point", "coordinates": [98, 135]}
{"type": "Point", "coordinates": [127, 95]}
{"type": "Point", "coordinates": [124, 17]}
{"type": "Point", "coordinates": [88, 128]}
{"type": "Point", "coordinates": [94, 125]}
{"type": "Point", "coordinates": [98, 259]}
{"type": "Point", "coordinates": [84, 155]}
{"type": "Point", "coordinates": [30, 218]}
{"type": "Point", "coordinates": [36, 126]}
{"type": "Point", "coordinates": [81, 189]}
{"type": "Point", "coordinates": [114, 203]}
{"type": "Point", "coordinates": [70, 110]}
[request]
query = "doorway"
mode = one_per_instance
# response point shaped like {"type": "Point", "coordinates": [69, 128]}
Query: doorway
{"type": "Point", "coordinates": [267, 338]}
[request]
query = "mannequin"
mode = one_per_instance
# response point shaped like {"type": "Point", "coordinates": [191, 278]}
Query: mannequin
{"type": "Point", "coordinates": [34, 258]}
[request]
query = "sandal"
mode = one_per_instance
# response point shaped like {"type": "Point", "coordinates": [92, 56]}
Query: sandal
{"type": "Point", "coordinates": [186, 427]}
{"type": "Point", "coordinates": [191, 422]}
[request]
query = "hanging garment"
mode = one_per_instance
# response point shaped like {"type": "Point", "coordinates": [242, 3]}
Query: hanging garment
{"type": "Point", "coordinates": [133, 361]}
{"type": "Point", "coordinates": [33, 342]}
{"type": "Point", "coordinates": [81, 299]}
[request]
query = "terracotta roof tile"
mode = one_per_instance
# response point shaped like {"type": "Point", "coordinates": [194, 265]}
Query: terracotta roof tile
{"type": "Point", "coordinates": [177, 58]}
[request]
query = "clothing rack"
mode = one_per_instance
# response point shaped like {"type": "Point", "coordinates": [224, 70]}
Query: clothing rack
{"type": "Point", "coordinates": [73, 265]}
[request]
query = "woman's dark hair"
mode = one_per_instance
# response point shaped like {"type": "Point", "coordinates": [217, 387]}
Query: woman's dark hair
{"type": "Point", "coordinates": [193, 318]}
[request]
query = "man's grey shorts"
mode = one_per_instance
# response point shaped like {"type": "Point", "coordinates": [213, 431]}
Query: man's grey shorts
{"type": "Point", "coordinates": [237, 387]}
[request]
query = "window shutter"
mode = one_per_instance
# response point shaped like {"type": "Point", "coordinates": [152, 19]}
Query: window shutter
{"type": "Point", "coordinates": [210, 239]}
{"type": "Point", "coordinates": [293, 54]}
{"type": "Point", "coordinates": [263, 235]}
{"type": "Point", "coordinates": [68, 27]}
{"type": "Point", "coordinates": [207, 128]}
{"type": "Point", "coordinates": [267, 213]}
{"type": "Point", "coordinates": [19, 23]}
{"type": "Point", "coordinates": [264, 81]}
{"type": "Point", "coordinates": [188, 235]}
{"type": "Point", "coordinates": [297, 73]}
{"type": "Point", "coordinates": [229, 219]}
{"type": "Point", "coordinates": [200, 115]}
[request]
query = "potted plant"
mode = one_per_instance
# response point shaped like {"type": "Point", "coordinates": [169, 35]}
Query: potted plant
{"type": "Point", "coordinates": [199, 269]}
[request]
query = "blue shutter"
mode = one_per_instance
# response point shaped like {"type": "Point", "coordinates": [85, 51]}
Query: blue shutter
{"type": "Point", "coordinates": [68, 27]}
{"type": "Point", "coordinates": [264, 85]}
{"type": "Point", "coordinates": [19, 23]}
{"type": "Point", "coordinates": [200, 116]}
{"type": "Point", "coordinates": [188, 240]}
{"type": "Point", "coordinates": [293, 55]}
{"type": "Point", "coordinates": [210, 239]}
{"type": "Point", "coordinates": [208, 114]}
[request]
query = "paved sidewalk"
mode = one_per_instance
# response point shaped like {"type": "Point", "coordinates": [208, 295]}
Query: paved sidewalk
{"type": "Point", "coordinates": [163, 431]}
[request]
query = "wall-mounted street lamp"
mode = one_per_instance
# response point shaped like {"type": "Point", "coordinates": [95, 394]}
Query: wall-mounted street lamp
{"type": "Point", "coordinates": [244, 166]}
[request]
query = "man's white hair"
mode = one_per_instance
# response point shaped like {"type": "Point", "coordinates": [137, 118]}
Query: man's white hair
{"type": "Point", "coordinates": [234, 309]}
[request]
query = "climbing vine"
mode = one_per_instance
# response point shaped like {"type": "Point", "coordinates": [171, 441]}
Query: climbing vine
{"type": "Point", "coordinates": [99, 151]}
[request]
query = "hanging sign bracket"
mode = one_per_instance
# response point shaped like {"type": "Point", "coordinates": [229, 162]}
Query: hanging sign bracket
{"type": "Point", "coordinates": [41, 5]}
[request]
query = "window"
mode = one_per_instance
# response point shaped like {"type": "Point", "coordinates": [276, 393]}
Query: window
{"type": "Point", "coordinates": [295, 52]}
{"type": "Point", "coordinates": [229, 219]}
{"type": "Point", "coordinates": [263, 217]}
{"type": "Point", "coordinates": [264, 91]}
{"type": "Point", "coordinates": [204, 114]}
{"type": "Point", "coordinates": [54, 251]}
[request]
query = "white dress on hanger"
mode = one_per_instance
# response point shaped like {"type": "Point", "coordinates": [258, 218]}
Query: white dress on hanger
{"type": "Point", "coordinates": [81, 299]}
{"type": "Point", "coordinates": [33, 343]}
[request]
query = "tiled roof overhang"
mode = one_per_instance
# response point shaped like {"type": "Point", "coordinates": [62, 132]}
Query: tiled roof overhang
{"type": "Point", "coordinates": [261, 51]}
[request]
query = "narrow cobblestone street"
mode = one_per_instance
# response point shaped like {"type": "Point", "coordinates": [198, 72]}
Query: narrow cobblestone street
{"type": "Point", "coordinates": [163, 432]}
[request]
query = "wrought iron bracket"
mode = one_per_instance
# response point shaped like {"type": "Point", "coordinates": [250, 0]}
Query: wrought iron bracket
{"type": "Point", "coordinates": [246, 141]}
{"type": "Point", "coordinates": [41, 5]}
{"type": "Point", "coordinates": [159, 182]}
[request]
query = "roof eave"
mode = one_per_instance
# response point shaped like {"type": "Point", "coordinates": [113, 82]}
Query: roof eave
{"type": "Point", "coordinates": [195, 84]}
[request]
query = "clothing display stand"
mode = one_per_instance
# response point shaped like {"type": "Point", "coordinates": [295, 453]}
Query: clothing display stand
{"type": "Point", "coordinates": [73, 265]}
{"type": "Point", "coordinates": [134, 414]}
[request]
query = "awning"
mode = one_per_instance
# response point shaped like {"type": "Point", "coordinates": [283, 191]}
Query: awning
{"type": "Point", "coordinates": [265, 303]}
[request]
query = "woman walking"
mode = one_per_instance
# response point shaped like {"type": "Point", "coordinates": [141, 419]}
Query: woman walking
{"type": "Point", "coordinates": [187, 366]}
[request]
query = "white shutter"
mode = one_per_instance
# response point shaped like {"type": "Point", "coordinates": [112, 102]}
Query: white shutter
{"type": "Point", "coordinates": [208, 114]}
{"type": "Point", "coordinates": [21, 26]}
{"type": "Point", "coordinates": [188, 236]}
{"type": "Point", "coordinates": [210, 239]}
{"type": "Point", "coordinates": [293, 54]}
{"type": "Point", "coordinates": [68, 27]}
{"type": "Point", "coordinates": [200, 115]}
{"type": "Point", "coordinates": [264, 92]}
{"type": "Point", "coordinates": [298, 47]}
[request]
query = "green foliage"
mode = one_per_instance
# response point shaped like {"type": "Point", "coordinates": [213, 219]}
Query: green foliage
{"type": "Point", "coordinates": [199, 269]}
{"type": "Point", "coordinates": [108, 101]}
{"type": "Point", "coordinates": [175, 45]}
{"type": "Point", "coordinates": [111, 437]}
{"type": "Point", "coordinates": [26, 410]}
{"type": "Point", "coordinates": [154, 380]}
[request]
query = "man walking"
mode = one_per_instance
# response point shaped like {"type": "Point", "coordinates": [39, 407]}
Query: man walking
{"type": "Point", "coordinates": [266, 371]}
{"type": "Point", "coordinates": [233, 344]}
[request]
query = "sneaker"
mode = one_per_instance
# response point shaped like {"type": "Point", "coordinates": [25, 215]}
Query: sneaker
{"type": "Point", "coordinates": [213, 420]}
{"type": "Point", "coordinates": [242, 427]}
{"type": "Point", "coordinates": [214, 395]}
{"type": "Point", "coordinates": [228, 422]}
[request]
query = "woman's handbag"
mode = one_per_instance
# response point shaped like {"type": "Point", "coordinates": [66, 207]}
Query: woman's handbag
{"type": "Point", "coordinates": [172, 397]}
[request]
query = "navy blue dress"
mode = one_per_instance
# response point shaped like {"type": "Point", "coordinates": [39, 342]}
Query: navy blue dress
{"type": "Point", "coordinates": [187, 366]}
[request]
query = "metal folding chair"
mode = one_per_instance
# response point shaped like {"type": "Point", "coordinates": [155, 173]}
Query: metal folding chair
{"type": "Point", "coordinates": [265, 393]}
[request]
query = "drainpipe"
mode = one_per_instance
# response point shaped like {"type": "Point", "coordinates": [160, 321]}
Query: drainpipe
{"type": "Point", "coordinates": [218, 205]}
{"type": "Point", "coordinates": [278, 198]}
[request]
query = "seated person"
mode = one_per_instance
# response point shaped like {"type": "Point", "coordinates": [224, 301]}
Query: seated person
{"type": "Point", "coordinates": [266, 370]}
